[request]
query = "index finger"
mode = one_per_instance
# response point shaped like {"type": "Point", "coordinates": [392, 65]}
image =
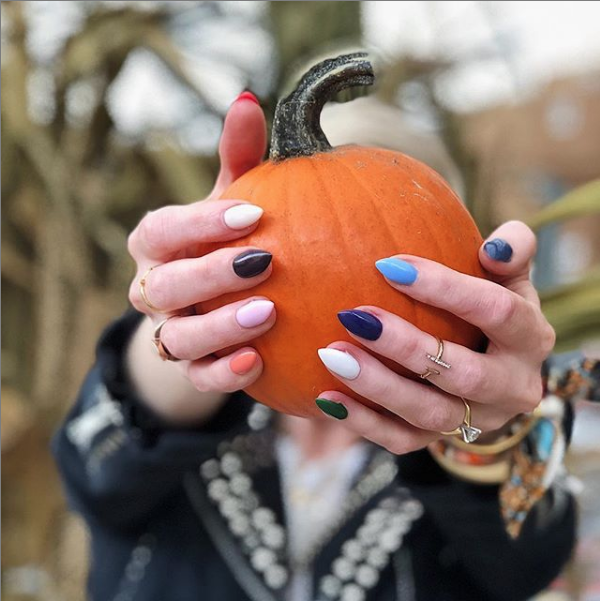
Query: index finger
{"type": "Point", "coordinates": [168, 230]}
{"type": "Point", "coordinates": [504, 316]}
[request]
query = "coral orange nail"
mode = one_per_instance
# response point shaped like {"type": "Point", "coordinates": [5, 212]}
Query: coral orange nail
{"type": "Point", "coordinates": [247, 95]}
{"type": "Point", "coordinates": [241, 364]}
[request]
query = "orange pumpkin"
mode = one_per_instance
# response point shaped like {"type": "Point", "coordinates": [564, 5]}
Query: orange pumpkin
{"type": "Point", "coordinates": [329, 215]}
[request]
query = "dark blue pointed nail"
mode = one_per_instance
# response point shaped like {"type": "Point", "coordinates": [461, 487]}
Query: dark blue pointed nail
{"type": "Point", "coordinates": [498, 249]}
{"type": "Point", "coordinates": [361, 323]}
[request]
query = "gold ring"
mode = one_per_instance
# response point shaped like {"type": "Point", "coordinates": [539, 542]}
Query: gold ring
{"type": "Point", "coordinates": [437, 359]}
{"type": "Point", "coordinates": [468, 432]}
{"type": "Point", "coordinates": [143, 291]}
{"type": "Point", "coordinates": [163, 351]}
{"type": "Point", "coordinates": [506, 442]}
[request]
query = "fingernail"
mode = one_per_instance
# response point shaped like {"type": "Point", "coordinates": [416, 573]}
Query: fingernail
{"type": "Point", "coordinates": [498, 250]}
{"type": "Point", "coordinates": [398, 271]}
{"type": "Point", "coordinates": [241, 364]}
{"type": "Point", "coordinates": [361, 323]}
{"type": "Point", "coordinates": [339, 362]}
{"type": "Point", "coordinates": [336, 410]}
{"type": "Point", "coordinates": [251, 262]}
{"type": "Point", "coordinates": [254, 313]}
{"type": "Point", "coordinates": [247, 95]}
{"type": "Point", "coordinates": [241, 216]}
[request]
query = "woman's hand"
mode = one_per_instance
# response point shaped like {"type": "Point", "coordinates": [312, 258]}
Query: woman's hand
{"type": "Point", "coordinates": [167, 248]}
{"type": "Point", "coordinates": [500, 384]}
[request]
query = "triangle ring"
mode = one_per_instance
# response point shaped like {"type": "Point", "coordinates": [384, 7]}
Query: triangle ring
{"type": "Point", "coordinates": [468, 432]}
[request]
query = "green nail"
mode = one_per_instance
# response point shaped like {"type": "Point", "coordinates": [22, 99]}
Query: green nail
{"type": "Point", "coordinates": [336, 410]}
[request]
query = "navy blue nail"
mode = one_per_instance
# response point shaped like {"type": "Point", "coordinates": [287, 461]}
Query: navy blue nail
{"type": "Point", "coordinates": [361, 323]}
{"type": "Point", "coordinates": [498, 249]}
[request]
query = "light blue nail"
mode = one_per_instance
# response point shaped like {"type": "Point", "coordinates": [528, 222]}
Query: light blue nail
{"type": "Point", "coordinates": [397, 271]}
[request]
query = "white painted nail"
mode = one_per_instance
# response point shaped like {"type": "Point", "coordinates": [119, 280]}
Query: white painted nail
{"type": "Point", "coordinates": [241, 216]}
{"type": "Point", "coordinates": [339, 362]}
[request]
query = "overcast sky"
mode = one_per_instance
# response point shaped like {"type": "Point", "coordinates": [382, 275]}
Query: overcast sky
{"type": "Point", "coordinates": [504, 51]}
{"type": "Point", "coordinates": [537, 40]}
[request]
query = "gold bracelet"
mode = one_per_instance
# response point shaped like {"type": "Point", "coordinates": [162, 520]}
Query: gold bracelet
{"type": "Point", "coordinates": [495, 448]}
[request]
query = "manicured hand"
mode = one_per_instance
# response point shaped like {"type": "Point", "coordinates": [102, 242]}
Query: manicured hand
{"type": "Point", "coordinates": [499, 384]}
{"type": "Point", "coordinates": [170, 241]}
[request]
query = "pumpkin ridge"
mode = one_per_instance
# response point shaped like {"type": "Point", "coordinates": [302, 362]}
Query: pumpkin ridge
{"type": "Point", "coordinates": [261, 183]}
{"type": "Point", "coordinates": [295, 224]}
{"type": "Point", "coordinates": [334, 211]}
{"type": "Point", "coordinates": [367, 190]}
{"type": "Point", "coordinates": [345, 247]}
{"type": "Point", "coordinates": [413, 304]}
{"type": "Point", "coordinates": [435, 240]}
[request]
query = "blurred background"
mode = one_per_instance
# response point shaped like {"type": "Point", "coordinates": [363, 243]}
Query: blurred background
{"type": "Point", "coordinates": [111, 109]}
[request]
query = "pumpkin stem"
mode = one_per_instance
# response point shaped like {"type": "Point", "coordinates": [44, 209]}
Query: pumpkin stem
{"type": "Point", "coordinates": [296, 125]}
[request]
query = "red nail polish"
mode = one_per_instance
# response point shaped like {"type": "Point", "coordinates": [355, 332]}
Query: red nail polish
{"type": "Point", "coordinates": [247, 95]}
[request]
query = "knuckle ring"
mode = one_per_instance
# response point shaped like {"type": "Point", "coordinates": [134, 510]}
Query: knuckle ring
{"type": "Point", "coordinates": [437, 359]}
{"type": "Point", "coordinates": [163, 351]}
{"type": "Point", "coordinates": [143, 291]}
{"type": "Point", "coordinates": [468, 432]}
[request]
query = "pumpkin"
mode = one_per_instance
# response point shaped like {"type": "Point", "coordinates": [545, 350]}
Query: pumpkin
{"type": "Point", "coordinates": [329, 214]}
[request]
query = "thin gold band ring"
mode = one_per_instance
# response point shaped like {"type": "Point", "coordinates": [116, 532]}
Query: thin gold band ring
{"type": "Point", "coordinates": [437, 359]}
{"type": "Point", "coordinates": [143, 291]}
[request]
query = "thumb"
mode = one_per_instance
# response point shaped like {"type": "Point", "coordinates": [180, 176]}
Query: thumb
{"type": "Point", "coordinates": [507, 255]}
{"type": "Point", "coordinates": [243, 141]}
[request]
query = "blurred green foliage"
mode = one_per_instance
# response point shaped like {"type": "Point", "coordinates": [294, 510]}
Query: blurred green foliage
{"type": "Point", "coordinates": [574, 309]}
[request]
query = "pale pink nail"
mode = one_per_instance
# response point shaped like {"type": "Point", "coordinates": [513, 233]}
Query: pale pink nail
{"type": "Point", "coordinates": [254, 313]}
